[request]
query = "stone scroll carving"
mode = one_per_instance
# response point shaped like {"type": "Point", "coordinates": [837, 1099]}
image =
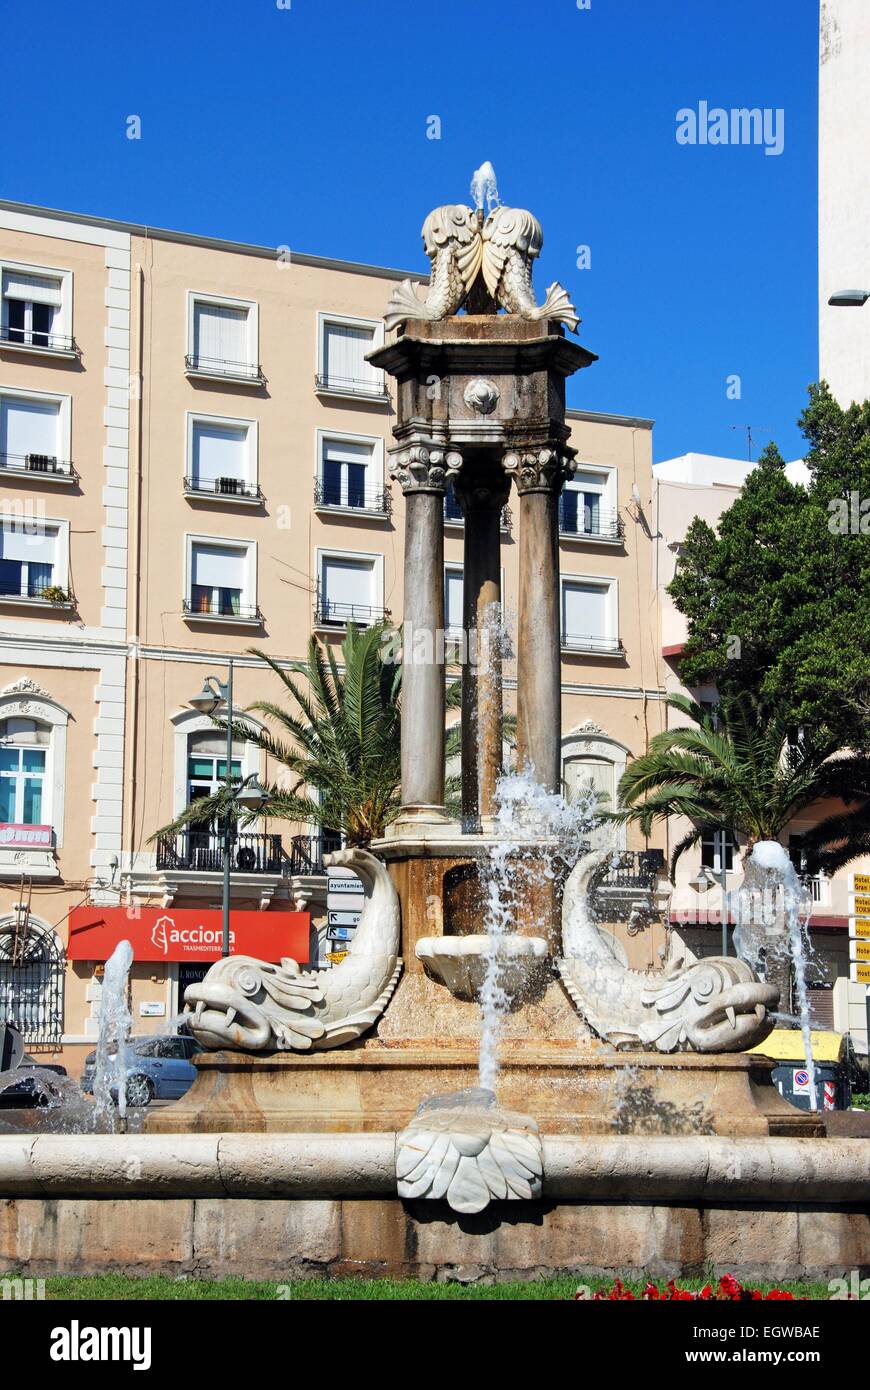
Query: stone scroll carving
{"type": "Point", "coordinates": [467, 253]}
{"type": "Point", "coordinates": [254, 1006]}
{"type": "Point", "coordinates": [424, 468]}
{"type": "Point", "coordinates": [713, 1005]}
{"type": "Point", "coordinates": [538, 470]}
{"type": "Point", "coordinates": [465, 1150]}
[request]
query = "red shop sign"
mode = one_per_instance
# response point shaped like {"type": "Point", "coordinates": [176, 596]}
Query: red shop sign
{"type": "Point", "coordinates": [186, 933]}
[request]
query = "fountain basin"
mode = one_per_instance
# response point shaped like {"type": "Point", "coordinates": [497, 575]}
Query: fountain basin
{"type": "Point", "coordinates": [460, 962]}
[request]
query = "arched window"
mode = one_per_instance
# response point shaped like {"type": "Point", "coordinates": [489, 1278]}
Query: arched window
{"type": "Point", "coordinates": [586, 774]}
{"type": "Point", "coordinates": [31, 980]}
{"type": "Point", "coordinates": [24, 745]}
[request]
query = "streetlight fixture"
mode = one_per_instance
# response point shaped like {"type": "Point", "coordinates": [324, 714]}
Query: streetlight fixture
{"type": "Point", "coordinates": [849, 299]}
{"type": "Point", "coordinates": [250, 795]}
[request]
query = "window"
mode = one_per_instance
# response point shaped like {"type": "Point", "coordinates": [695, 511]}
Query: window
{"type": "Point", "coordinates": [453, 621]}
{"type": "Point", "coordinates": [221, 579]}
{"type": "Point", "coordinates": [586, 774]}
{"type": "Point", "coordinates": [222, 338]}
{"type": "Point", "coordinates": [711, 852]}
{"type": "Point", "coordinates": [349, 589]}
{"type": "Point", "coordinates": [589, 621]}
{"type": "Point", "coordinates": [222, 458]}
{"type": "Point", "coordinates": [36, 309]}
{"type": "Point", "coordinates": [587, 506]}
{"type": "Point", "coordinates": [342, 348]}
{"type": "Point", "coordinates": [34, 434]}
{"type": "Point", "coordinates": [30, 562]}
{"type": "Point", "coordinates": [24, 747]}
{"type": "Point", "coordinates": [452, 509]}
{"type": "Point", "coordinates": [350, 473]}
{"type": "Point", "coordinates": [207, 765]}
{"type": "Point", "coordinates": [31, 980]}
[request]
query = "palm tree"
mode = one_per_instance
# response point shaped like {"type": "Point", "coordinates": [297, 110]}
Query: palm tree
{"type": "Point", "coordinates": [741, 770]}
{"type": "Point", "coordinates": [338, 737]}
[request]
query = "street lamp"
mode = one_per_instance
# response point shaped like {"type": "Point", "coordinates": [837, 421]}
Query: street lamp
{"type": "Point", "coordinates": [849, 299]}
{"type": "Point", "coordinates": [250, 795]}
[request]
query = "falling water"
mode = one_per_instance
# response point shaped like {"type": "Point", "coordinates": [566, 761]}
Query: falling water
{"type": "Point", "coordinates": [771, 859]}
{"type": "Point", "coordinates": [535, 832]}
{"type": "Point", "coordinates": [115, 1025]}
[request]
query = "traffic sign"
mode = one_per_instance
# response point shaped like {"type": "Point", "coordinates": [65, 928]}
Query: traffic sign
{"type": "Point", "coordinates": [339, 917]}
{"type": "Point", "coordinates": [336, 957]}
{"type": "Point", "coordinates": [340, 933]}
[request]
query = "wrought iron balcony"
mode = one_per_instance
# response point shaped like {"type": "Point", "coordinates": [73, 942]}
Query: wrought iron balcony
{"type": "Point", "coordinates": [331, 497]}
{"type": "Point", "coordinates": [20, 590]}
{"type": "Point", "coordinates": [591, 646]}
{"type": "Point", "coordinates": [38, 466]}
{"type": "Point", "coordinates": [338, 615]}
{"type": "Point", "coordinates": [307, 851]}
{"type": "Point", "coordinates": [351, 386]}
{"type": "Point", "coordinates": [62, 344]}
{"type": "Point", "coordinates": [636, 870]}
{"type": "Point", "coordinates": [202, 850]}
{"type": "Point", "coordinates": [600, 526]}
{"type": "Point", "coordinates": [197, 365]}
{"type": "Point", "coordinates": [222, 611]}
{"type": "Point", "coordinates": [228, 489]}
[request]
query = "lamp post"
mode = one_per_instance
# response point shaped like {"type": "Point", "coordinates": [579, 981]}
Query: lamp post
{"type": "Point", "coordinates": [250, 795]}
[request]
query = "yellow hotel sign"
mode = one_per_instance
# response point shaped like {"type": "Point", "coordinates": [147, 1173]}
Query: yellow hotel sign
{"type": "Point", "coordinates": [859, 972]}
{"type": "Point", "coordinates": [861, 907]}
{"type": "Point", "coordinates": [861, 883]}
{"type": "Point", "coordinates": [859, 927]}
{"type": "Point", "coordinates": [860, 950]}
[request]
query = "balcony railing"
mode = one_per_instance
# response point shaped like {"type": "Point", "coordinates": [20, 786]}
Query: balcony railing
{"type": "Point", "coordinates": [352, 499]}
{"type": "Point", "coordinates": [453, 515]}
{"type": "Point", "coordinates": [203, 851]}
{"type": "Point", "coordinates": [330, 614]}
{"type": "Point", "coordinates": [635, 870]}
{"type": "Point", "coordinates": [52, 594]}
{"type": "Point", "coordinates": [580, 642]}
{"type": "Point", "coordinates": [605, 526]}
{"type": "Point", "coordinates": [223, 487]}
{"type": "Point", "coordinates": [38, 466]}
{"type": "Point", "coordinates": [307, 851]}
{"type": "Point", "coordinates": [240, 612]}
{"type": "Point", "coordinates": [351, 386]}
{"type": "Point", "coordinates": [197, 365]}
{"type": "Point", "coordinates": [60, 343]}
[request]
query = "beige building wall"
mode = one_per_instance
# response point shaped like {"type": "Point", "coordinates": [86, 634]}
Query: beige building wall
{"type": "Point", "coordinates": [121, 660]}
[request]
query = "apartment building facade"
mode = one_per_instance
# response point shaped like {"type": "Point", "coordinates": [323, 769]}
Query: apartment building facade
{"type": "Point", "coordinates": [193, 464]}
{"type": "Point", "coordinates": [706, 486]}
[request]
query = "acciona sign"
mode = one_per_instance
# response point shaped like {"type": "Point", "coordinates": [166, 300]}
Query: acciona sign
{"type": "Point", "coordinates": [188, 933]}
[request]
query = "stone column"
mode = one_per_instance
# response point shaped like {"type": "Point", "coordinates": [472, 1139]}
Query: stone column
{"type": "Point", "coordinates": [422, 473]}
{"type": "Point", "coordinates": [539, 475]}
{"type": "Point", "coordinates": [482, 499]}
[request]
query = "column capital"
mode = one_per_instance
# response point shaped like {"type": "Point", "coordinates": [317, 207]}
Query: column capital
{"type": "Point", "coordinates": [424, 467]}
{"type": "Point", "coordinates": [539, 470]}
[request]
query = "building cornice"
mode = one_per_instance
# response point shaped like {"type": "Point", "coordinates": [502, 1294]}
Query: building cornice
{"type": "Point", "coordinates": [241, 248]}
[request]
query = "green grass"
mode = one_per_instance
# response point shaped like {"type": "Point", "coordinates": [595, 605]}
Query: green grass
{"type": "Point", "coordinates": [121, 1287]}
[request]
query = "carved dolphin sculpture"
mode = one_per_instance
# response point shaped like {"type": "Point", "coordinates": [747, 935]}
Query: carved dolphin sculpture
{"type": "Point", "coordinates": [462, 248]}
{"type": "Point", "coordinates": [253, 1006]}
{"type": "Point", "coordinates": [714, 1005]}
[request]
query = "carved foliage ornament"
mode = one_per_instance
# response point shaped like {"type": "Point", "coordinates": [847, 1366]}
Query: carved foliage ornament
{"type": "Point", "coordinates": [421, 468]}
{"type": "Point", "coordinates": [465, 248]}
{"type": "Point", "coordinates": [538, 470]}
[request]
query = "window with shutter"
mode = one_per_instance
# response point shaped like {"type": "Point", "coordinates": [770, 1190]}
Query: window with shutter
{"type": "Point", "coordinates": [346, 591]}
{"type": "Point", "coordinates": [33, 312]}
{"type": "Point", "coordinates": [342, 367]}
{"type": "Point", "coordinates": [219, 581]}
{"type": "Point", "coordinates": [587, 616]}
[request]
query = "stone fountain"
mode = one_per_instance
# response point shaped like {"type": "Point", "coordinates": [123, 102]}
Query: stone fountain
{"type": "Point", "coordinates": [628, 1128]}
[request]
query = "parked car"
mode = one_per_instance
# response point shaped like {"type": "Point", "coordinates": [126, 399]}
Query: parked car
{"type": "Point", "coordinates": [158, 1068]}
{"type": "Point", "coordinates": [31, 1084]}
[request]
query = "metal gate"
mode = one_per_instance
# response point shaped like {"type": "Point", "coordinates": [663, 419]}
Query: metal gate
{"type": "Point", "coordinates": [31, 982]}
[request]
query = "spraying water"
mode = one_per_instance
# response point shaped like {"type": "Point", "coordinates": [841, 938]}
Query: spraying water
{"type": "Point", "coordinates": [115, 1025]}
{"type": "Point", "coordinates": [484, 187]}
{"type": "Point", "coordinates": [771, 859]}
{"type": "Point", "coordinates": [536, 831]}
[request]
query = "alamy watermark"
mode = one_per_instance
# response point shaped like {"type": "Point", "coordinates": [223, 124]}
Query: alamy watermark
{"type": "Point", "coordinates": [740, 125]}
{"type": "Point", "coordinates": [849, 516]}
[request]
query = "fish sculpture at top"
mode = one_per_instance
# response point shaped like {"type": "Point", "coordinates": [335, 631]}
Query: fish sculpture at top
{"type": "Point", "coordinates": [482, 260]}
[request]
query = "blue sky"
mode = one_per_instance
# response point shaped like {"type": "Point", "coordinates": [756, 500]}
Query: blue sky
{"type": "Point", "coordinates": [307, 127]}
